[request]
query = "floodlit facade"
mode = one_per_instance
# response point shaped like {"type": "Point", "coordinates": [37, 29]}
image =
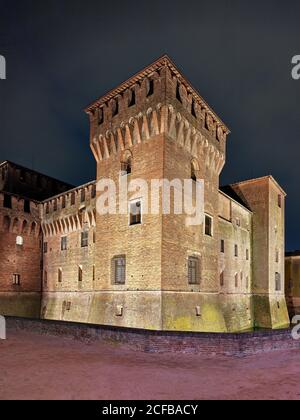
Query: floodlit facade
{"type": "Point", "coordinates": [62, 260]}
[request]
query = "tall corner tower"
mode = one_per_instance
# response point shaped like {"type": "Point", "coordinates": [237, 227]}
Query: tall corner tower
{"type": "Point", "coordinates": [267, 201]}
{"type": "Point", "coordinates": [155, 126]}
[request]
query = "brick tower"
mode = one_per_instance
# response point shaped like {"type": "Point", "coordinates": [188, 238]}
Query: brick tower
{"type": "Point", "coordinates": [158, 273]}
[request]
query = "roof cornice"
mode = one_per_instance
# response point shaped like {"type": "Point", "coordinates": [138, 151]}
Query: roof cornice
{"type": "Point", "coordinates": [164, 61]}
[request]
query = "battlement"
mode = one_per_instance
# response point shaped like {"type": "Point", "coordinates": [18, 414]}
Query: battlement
{"type": "Point", "coordinates": [158, 100]}
{"type": "Point", "coordinates": [18, 180]}
{"type": "Point", "coordinates": [19, 215]}
{"type": "Point", "coordinates": [71, 211]}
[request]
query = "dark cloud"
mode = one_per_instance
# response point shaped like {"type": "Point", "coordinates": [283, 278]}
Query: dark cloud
{"type": "Point", "coordinates": [61, 55]}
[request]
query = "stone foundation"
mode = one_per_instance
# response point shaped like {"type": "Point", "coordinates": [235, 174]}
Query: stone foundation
{"type": "Point", "coordinates": [206, 344]}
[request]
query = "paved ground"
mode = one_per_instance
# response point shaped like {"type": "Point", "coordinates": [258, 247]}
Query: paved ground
{"type": "Point", "coordinates": [40, 367]}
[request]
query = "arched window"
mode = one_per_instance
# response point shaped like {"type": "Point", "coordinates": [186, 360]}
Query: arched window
{"type": "Point", "coordinates": [126, 164]}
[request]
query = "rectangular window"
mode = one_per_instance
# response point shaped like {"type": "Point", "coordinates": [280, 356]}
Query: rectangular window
{"type": "Point", "coordinates": [119, 270]}
{"type": "Point", "coordinates": [45, 278]}
{"type": "Point", "coordinates": [222, 246]}
{"type": "Point", "coordinates": [279, 201]}
{"type": "Point", "coordinates": [247, 254]}
{"type": "Point", "coordinates": [82, 196]}
{"type": "Point", "coordinates": [72, 199]}
{"type": "Point", "coordinates": [45, 247]}
{"type": "Point", "coordinates": [16, 279]}
{"type": "Point", "coordinates": [94, 273]}
{"type": "Point", "coordinates": [55, 205]}
{"type": "Point", "coordinates": [7, 201]}
{"type": "Point", "coordinates": [135, 213]}
{"type": "Point", "coordinates": [84, 239]}
{"type": "Point", "coordinates": [277, 282]}
{"type": "Point", "coordinates": [64, 243]}
{"type": "Point", "coordinates": [277, 256]}
{"type": "Point", "coordinates": [59, 275]}
{"type": "Point", "coordinates": [80, 274]}
{"type": "Point", "coordinates": [208, 225]}
{"type": "Point", "coordinates": [63, 202]}
{"type": "Point", "coordinates": [193, 270]}
{"type": "Point", "coordinates": [236, 251]}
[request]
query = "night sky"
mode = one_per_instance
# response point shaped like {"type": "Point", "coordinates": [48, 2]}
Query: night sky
{"type": "Point", "coordinates": [62, 55]}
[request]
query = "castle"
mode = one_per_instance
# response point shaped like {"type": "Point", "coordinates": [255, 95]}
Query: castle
{"type": "Point", "coordinates": [61, 260]}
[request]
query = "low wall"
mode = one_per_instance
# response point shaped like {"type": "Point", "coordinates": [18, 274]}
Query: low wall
{"type": "Point", "coordinates": [163, 342]}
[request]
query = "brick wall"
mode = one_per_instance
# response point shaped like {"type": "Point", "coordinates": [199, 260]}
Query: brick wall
{"type": "Point", "coordinates": [164, 342]}
{"type": "Point", "coordinates": [22, 258]}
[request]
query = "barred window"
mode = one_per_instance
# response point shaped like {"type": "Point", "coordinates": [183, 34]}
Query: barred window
{"type": "Point", "coordinates": [119, 269]}
{"type": "Point", "coordinates": [193, 270]}
{"type": "Point", "coordinates": [64, 243]}
{"type": "Point", "coordinates": [84, 239]}
{"type": "Point", "coordinates": [45, 247]}
{"type": "Point", "coordinates": [16, 279]}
